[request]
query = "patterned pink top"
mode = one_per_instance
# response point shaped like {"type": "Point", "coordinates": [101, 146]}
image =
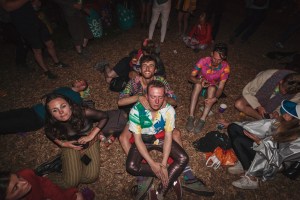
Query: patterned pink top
{"type": "Point", "coordinates": [213, 75]}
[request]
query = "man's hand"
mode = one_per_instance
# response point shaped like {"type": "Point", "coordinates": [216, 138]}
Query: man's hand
{"type": "Point", "coordinates": [210, 100]}
{"type": "Point", "coordinates": [252, 137]}
{"type": "Point", "coordinates": [261, 111]}
{"type": "Point", "coordinates": [275, 115]}
{"type": "Point", "coordinates": [205, 83]}
{"type": "Point", "coordinates": [156, 168]}
{"type": "Point", "coordinates": [165, 176]}
{"type": "Point", "coordinates": [143, 100]}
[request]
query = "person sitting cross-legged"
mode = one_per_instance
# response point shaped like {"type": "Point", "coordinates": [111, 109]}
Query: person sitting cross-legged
{"type": "Point", "coordinates": [134, 92]}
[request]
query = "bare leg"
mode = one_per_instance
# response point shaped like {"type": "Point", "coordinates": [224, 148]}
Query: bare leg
{"type": "Point", "coordinates": [194, 98]}
{"type": "Point", "coordinates": [39, 59]}
{"type": "Point", "coordinates": [109, 74]}
{"type": "Point", "coordinates": [51, 50]}
{"type": "Point", "coordinates": [211, 92]}
{"type": "Point", "coordinates": [85, 42]}
{"type": "Point", "coordinates": [242, 105]}
{"type": "Point", "coordinates": [185, 22]}
{"type": "Point", "coordinates": [78, 48]}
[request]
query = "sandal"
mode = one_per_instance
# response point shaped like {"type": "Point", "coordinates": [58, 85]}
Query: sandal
{"type": "Point", "coordinates": [109, 141]}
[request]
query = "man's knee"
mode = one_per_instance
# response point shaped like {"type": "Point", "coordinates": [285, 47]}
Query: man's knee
{"type": "Point", "coordinates": [111, 73]}
{"type": "Point", "coordinates": [184, 159]}
{"type": "Point", "coordinates": [132, 168]}
{"type": "Point", "coordinates": [240, 103]}
{"type": "Point", "coordinates": [197, 87]}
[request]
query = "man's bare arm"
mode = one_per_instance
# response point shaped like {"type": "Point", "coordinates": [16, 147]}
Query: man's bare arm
{"type": "Point", "coordinates": [128, 100]}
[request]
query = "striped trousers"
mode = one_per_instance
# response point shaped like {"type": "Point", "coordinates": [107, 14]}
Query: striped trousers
{"type": "Point", "coordinates": [74, 171]}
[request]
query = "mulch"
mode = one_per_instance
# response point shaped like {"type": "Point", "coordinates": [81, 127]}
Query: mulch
{"type": "Point", "coordinates": [24, 89]}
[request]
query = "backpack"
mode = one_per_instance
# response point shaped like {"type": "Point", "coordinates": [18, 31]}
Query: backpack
{"type": "Point", "coordinates": [118, 84]}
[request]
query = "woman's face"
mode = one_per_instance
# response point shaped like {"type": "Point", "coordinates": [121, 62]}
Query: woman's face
{"type": "Point", "coordinates": [287, 117]}
{"type": "Point", "coordinates": [18, 187]}
{"type": "Point", "coordinates": [60, 109]}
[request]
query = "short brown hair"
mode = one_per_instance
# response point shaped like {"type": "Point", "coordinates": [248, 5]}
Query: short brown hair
{"type": "Point", "coordinates": [155, 83]}
{"type": "Point", "coordinates": [291, 83]}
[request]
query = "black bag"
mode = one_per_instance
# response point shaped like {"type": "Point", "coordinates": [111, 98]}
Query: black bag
{"type": "Point", "coordinates": [117, 120]}
{"type": "Point", "coordinates": [211, 141]}
{"type": "Point", "coordinates": [148, 139]}
{"type": "Point", "coordinates": [118, 84]}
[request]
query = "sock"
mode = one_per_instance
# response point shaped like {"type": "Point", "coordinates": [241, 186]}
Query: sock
{"type": "Point", "coordinates": [188, 174]}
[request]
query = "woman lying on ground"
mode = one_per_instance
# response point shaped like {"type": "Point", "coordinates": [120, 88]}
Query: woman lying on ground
{"type": "Point", "coordinates": [265, 157]}
{"type": "Point", "coordinates": [71, 127]}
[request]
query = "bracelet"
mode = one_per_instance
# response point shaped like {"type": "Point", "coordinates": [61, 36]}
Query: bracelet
{"type": "Point", "coordinates": [62, 143]}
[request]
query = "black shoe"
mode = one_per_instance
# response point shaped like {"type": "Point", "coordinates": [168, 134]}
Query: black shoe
{"type": "Point", "coordinates": [54, 165]}
{"type": "Point", "coordinates": [100, 66]}
{"type": "Point", "coordinates": [61, 65]}
{"type": "Point", "coordinates": [197, 186]}
{"type": "Point", "coordinates": [293, 171]}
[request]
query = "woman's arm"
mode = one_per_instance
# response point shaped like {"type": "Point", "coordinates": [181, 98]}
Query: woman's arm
{"type": "Point", "coordinates": [95, 115]}
{"type": "Point", "coordinates": [67, 144]}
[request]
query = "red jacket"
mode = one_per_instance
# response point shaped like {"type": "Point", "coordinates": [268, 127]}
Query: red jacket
{"type": "Point", "coordinates": [42, 188]}
{"type": "Point", "coordinates": [202, 33]}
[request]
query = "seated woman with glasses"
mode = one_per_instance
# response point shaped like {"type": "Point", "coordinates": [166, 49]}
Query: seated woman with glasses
{"type": "Point", "coordinates": [209, 76]}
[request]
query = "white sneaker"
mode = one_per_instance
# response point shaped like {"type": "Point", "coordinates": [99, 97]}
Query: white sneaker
{"type": "Point", "coordinates": [210, 112]}
{"type": "Point", "coordinates": [246, 183]}
{"type": "Point", "coordinates": [236, 169]}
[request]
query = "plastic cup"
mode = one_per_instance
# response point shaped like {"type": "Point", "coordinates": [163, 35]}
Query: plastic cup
{"type": "Point", "coordinates": [222, 108]}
